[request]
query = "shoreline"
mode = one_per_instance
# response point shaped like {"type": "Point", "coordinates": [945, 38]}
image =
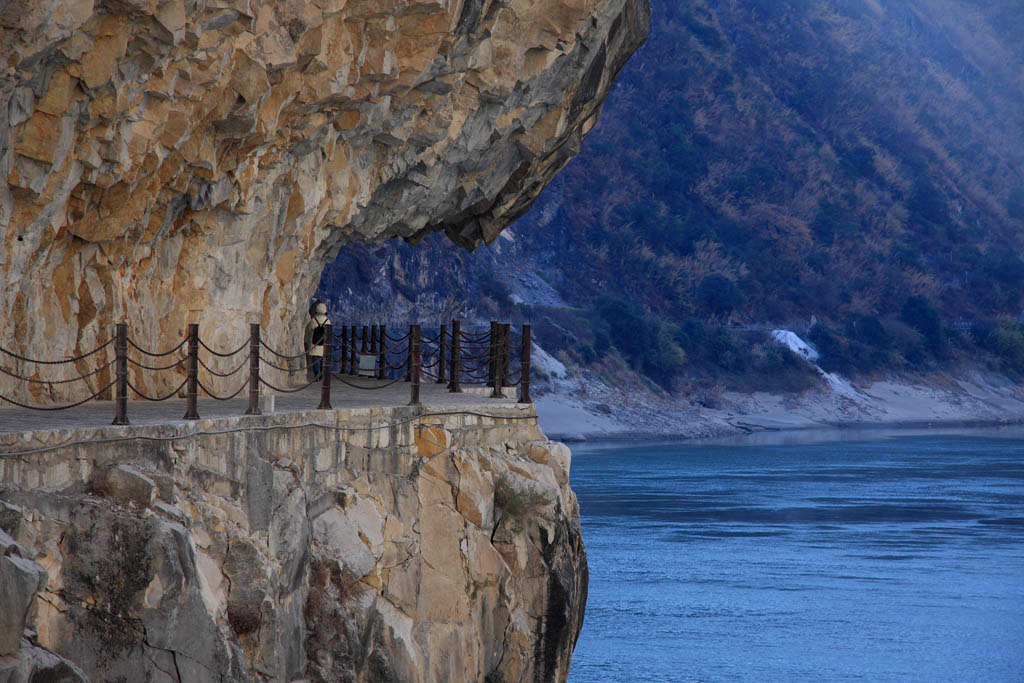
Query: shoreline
{"type": "Point", "coordinates": [581, 411]}
{"type": "Point", "coordinates": [669, 437]}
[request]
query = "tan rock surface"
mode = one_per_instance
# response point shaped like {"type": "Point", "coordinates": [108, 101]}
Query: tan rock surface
{"type": "Point", "coordinates": [175, 162]}
{"type": "Point", "coordinates": [246, 561]}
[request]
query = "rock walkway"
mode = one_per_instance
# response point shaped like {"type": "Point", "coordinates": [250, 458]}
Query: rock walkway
{"type": "Point", "coordinates": [142, 413]}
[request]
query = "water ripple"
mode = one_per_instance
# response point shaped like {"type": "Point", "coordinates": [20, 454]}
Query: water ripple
{"type": "Point", "coordinates": [892, 559]}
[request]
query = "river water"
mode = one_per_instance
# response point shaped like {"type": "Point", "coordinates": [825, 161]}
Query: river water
{"type": "Point", "coordinates": [875, 556]}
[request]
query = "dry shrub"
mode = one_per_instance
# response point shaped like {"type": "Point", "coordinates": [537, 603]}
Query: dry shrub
{"type": "Point", "coordinates": [517, 501]}
{"type": "Point", "coordinates": [330, 589]}
{"type": "Point", "coordinates": [710, 394]}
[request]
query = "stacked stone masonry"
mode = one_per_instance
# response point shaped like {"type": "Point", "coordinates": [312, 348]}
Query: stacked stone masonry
{"type": "Point", "coordinates": [299, 547]}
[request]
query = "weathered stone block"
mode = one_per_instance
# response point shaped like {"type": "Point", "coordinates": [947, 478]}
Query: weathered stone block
{"type": "Point", "coordinates": [352, 576]}
{"type": "Point", "coordinates": [13, 669]}
{"type": "Point", "coordinates": [538, 453]}
{"type": "Point", "coordinates": [245, 567]}
{"type": "Point", "coordinates": [10, 517]}
{"type": "Point", "coordinates": [126, 484]}
{"type": "Point", "coordinates": [338, 538]}
{"type": "Point", "coordinates": [36, 664]}
{"type": "Point", "coordinates": [20, 580]}
{"type": "Point", "coordinates": [475, 499]}
{"type": "Point", "coordinates": [9, 546]}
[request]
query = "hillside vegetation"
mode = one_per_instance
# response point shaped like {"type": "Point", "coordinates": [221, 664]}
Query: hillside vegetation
{"type": "Point", "coordinates": [858, 164]}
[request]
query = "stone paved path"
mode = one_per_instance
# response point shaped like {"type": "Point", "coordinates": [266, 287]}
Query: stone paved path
{"type": "Point", "coordinates": [101, 413]}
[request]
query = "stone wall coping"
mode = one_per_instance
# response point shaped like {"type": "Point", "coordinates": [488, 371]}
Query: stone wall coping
{"type": "Point", "coordinates": [13, 444]}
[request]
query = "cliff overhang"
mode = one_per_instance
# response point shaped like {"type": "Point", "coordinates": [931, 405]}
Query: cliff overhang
{"type": "Point", "coordinates": [198, 161]}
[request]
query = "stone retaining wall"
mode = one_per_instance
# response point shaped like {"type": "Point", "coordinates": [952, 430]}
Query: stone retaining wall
{"type": "Point", "coordinates": [322, 444]}
{"type": "Point", "coordinates": [307, 546]}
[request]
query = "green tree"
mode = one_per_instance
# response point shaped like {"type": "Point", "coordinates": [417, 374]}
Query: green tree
{"type": "Point", "coordinates": [629, 329]}
{"type": "Point", "coordinates": [666, 360]}
{"type": "Point", "coordinates": [1007, 340]}
{"type": "Point", "coordinates": [928, 203]}
{"type": "Point", "coordinates": [920, 313]}
{"type": "Point", "coordinates": [718, 295]}
{"type": "Point", "coordinates": [834, 351]}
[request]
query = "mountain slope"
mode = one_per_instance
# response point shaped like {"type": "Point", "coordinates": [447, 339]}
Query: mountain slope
{"type": "Point", "coordinates": [766, 161]}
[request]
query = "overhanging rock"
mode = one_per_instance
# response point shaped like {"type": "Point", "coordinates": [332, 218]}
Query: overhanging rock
{"type": "Point", "coordinates": [201, 160]}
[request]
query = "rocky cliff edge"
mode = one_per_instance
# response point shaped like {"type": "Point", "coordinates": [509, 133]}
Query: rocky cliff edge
{"type": "Point", "coordinates": [447, 548]}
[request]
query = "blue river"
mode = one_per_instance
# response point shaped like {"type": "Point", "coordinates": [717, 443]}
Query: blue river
{"type": "Point", "coordinates": [855, 555]}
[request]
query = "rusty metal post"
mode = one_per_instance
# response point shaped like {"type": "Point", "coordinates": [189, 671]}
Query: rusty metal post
{"type": "Point", "coordinates": [383, 360]}
{"type": "Point", "coordinates": [121, 370]}
{"type": "Point", "coordinates": [492, 360]}
{"type": "Point", "coordinates": [506, 354]}
{"type": "Point", "coordinates": [408, 357]}
{"type": "Point", "coordinates": [350, 330]}
{"type": "Point", "coordinates": [524, 373]}
{"type": "Point", "coordinates": [414, 363]}
{"type": "Point", "coordinates": [342, 349]}
{"type": "Point", "coordinates": [192, 384]}
{"type": "Point", "coordinates": [366, 333]}
{"type": "Point", "coordinates": [327, 362]}
{"type": "Point", "coordinates": [498, 361]}
{"type": "Point", "coordinates": [453, 361]}
{"type": "Point", "coordinates": [373, 339]}
{"type": "Point", "coordinates": [343, 366]}
{"type": "Point", "coordinates": [441, 348]}
{"type": "Point", "coordinates": [254, 370]}
{"type": "Point", "coordinates": [353, 348]}
{"type": "Point", "coordinates": [352, 367]}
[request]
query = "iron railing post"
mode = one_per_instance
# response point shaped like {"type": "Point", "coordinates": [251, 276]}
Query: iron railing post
{"type": "Point", "coordinates": [353, 367]}
{"type": "Point", "coordinates": [524, 373]}
{"type": "Point", "coordinates": [192, 384]}
{"type": "Point", "coordinates": [441, 348]}
{"type": "Point", "coordinates": [121, 370]}
{"type": "Point", "coordinates": [453, 362]}
{"type": "Point", "coordinates": [326, 362]}
{"type": "Point", "coordinates": [343, 367]}
{"type": "Point", "coordinates": [353, 344]}
{"type": "Point", "coordinates": [414, 363]}
{"type": "Point", "coordinates": [366, 333]}
{"type": "Point", "coordinates": [408, 357]}
{"type": "Point", "coordinates": [383, 361]}
{"type": "Point", "coordinates": [254, 370]}
{"type": "Point", "coordinates": [499, 362]}
{"type": "Point", "coordinates": [492, 359]}
{"type": "Point", "coordinates": [373, 339]}
{"type": "Point", "coordinates": [506, 354]}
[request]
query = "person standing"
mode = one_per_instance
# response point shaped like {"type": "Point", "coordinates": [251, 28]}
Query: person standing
{"type": "Point", "coordinates": [314, 338]}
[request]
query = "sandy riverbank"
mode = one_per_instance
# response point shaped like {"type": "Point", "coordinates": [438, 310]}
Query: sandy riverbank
{"type": "Point", "coordinates": [578, 409]}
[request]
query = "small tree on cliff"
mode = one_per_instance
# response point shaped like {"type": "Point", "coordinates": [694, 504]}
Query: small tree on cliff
{"type": "Point", "coordinates": [516, 501]}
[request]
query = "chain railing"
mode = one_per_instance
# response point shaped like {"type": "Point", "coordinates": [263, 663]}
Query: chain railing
{"type": "Point", "coordinates": [372, 360]}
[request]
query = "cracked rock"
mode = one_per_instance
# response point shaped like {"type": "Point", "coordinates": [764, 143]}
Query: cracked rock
{"type": "Point", "coordinates": [176, 162]}
{"type": "Point", "coordinates": [402, 573]}
{"type": "Point", "coordinates": [20, 580]}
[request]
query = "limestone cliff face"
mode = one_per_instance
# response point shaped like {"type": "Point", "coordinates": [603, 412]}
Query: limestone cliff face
{"type": "Point", "coordinates": [296, 553]}
{"type": "Point", "coordinates": [176, 161]}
